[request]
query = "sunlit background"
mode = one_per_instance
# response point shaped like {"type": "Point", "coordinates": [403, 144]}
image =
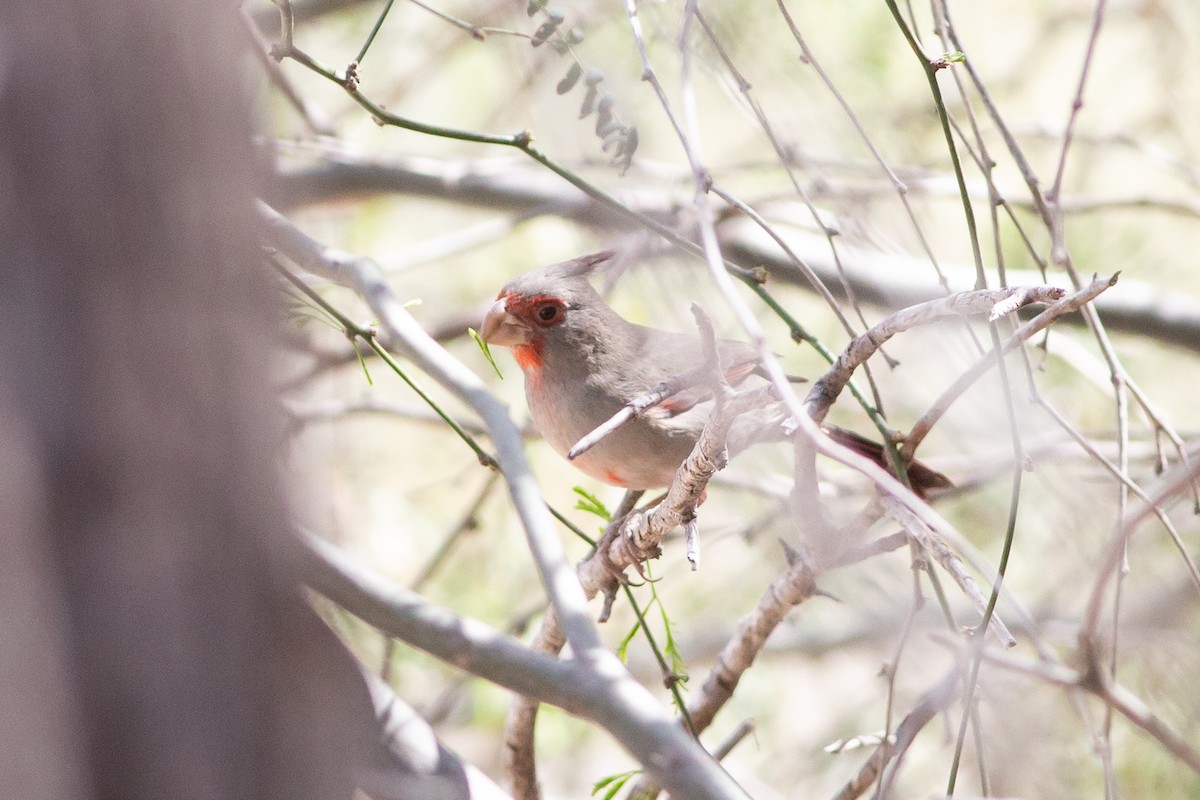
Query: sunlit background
{"type": "Point", "coordinates": [848, 138]}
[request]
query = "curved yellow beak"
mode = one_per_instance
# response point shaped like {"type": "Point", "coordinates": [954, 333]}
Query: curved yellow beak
{"type": "Point", "coordinates": [502, 328]}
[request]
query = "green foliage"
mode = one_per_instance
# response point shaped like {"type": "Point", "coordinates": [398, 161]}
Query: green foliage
{"type": "Point", "coordinates": [670, 646]}
{"type": "Point", "coordinates": [669, 650]}
{"type": "Point", "coordinates": [487, 351]}
{"type": "Point", "coordinates": [362, 362]}
{"type": "Point", "coordinates": [613, 783]}
{"type": "Point", "coordinates": [591, 504]}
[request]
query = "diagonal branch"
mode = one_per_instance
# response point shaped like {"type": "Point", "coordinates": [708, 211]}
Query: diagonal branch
{"type": "Point", "coordinates": [877, 278]}
{"type": "Point", "coordinates": [993, 302]}
{"type": "Point", "coordinates": [627, 710]}
{"type": "Point", "coordinates": [635, 407]}
{"type": "Point", "coordinates": [930, 705]}
{"type": "Point", "coordinates": [1097, 682]}
{"type": "Point", "coordinates": [964, 381]}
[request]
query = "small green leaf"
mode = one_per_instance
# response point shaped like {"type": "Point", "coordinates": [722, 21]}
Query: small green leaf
{"type": "Point", "coordinates": [591, 504]}
{"type": "Point", "coordinates": [671, 647]}
{"type": "Point", "coordinates": [614, 783]}
{"type": "Point", "coordinates": [623, 647]}
{"type": "Point", "coordinates": [616, 787]}
{"type": "Point", "coordinates": [416, 301]}
{"type": "Point", "coordinates": [605, 781]}
{"type": "Point", "coordinates": [955, 57]}
{"type": "Point", "coordinates": [362, 362]}
{"type": "Point", "coordinates": [487, 352]}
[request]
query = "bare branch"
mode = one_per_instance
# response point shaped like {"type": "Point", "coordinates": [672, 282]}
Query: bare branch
{"type": "Point", "coordinates": [930, 705]}
{"type": "Point", "coordinates": [608, 697]}
{"type": "Point", "coordinates": [966, 379]}
{"type": "Point", "coordinates": [628, 710]}
{"type": "Point", "coordinates": [638, 535]}
{"type": "Point", "coordinates": [993, 302]}
{"type": "Point", "coordinates": [878, 278]}
{"type": "Point", "coordinates": [1113, 694]}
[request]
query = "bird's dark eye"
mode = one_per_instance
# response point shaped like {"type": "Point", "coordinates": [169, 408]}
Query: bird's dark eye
{"type": "Point", "coordinates": [548, 312]}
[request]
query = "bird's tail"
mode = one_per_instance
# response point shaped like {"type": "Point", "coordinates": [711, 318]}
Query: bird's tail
{"type": "Point", "coordinates": [922, 478]}
{"type": "Point", "coordinates": [770, 424]}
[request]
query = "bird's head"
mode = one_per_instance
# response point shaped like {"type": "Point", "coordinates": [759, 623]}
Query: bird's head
{"type": "Point", "coordinates": [552, 307]}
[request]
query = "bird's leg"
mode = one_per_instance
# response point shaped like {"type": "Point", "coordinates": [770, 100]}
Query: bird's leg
{"type": "Point", "coordinates": [628, 501]}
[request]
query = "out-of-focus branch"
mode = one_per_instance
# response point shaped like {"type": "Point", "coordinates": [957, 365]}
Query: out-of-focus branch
{"type": "Point", "coordinates": [1064, 306]}
{"type": "Point", "coordinates": [995, 303]}
{"type": "Point", "coordinates": [303, 10]}
{"type": "Point", "coordinates": [883, 279]}
{"type": "Point", "coordinates": [313, 115]}
{"type": "Point", "coordinates": [627, 711]}
{"type": "Point", "coordinates": [931, 704]}
{"type": "Point", "coordinates": [466, 643]}
{"type": "Point", "coordinates": [334, 411]}
{"type": "Point", "coordinates": [497, 183]}
{"type": "Point", "coordinates": [1114, 553]}
{"type": "Point", "coordinates": [1097, 682]}
{"type": "Point", "coordinates": [575, 685]}
{"type": "Point", "coordinates": [426, 768]}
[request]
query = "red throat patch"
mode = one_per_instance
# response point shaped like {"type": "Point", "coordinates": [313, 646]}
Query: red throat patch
{"type": "Point", "coordinates": [528, 357]}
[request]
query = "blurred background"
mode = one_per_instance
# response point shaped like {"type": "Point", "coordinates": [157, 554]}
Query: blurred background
{"type": "Point", "coordinates": [820, 117]}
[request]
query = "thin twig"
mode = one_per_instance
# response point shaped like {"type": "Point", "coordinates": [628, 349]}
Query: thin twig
{"type": "Point", "coordinates": [1127, 704]}
{"type": "Point", "coordinates": [934, 546]}
{"type": "Point", "coordinates": [992, 302]}
{"type": "Point", "coordinates": [366, 278]}
{"type": "Point", "coordinates": [1115, 550]}
{"type": "Point", "coordinates": [1068, 304]}
{"type": "Point", "coordinates": [930, 705]}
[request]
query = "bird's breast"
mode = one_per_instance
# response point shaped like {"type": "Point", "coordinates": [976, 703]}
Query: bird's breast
{"type": "Point", "coordinates": [644, 453]}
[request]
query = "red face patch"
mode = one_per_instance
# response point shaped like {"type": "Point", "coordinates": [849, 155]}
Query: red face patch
{"type": "Point", "coordinates": [542, 311]}
{"type": "Point", "coordinates": [538, 312]}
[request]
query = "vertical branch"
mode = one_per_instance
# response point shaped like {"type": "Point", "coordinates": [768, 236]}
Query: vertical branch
{"type": "Point", "coordinates": [931, 71]}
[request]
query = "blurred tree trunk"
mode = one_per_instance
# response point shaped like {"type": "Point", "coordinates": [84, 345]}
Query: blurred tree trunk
{"type": "Point", "coordinates": [149, 649]}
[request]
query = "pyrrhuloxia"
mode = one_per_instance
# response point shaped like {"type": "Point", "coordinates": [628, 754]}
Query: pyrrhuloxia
{"type": "Point", "coordinates": [583, 362]}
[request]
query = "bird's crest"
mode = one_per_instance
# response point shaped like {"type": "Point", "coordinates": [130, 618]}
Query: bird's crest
{"type": "Point", "coordinates": [580, 266]}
